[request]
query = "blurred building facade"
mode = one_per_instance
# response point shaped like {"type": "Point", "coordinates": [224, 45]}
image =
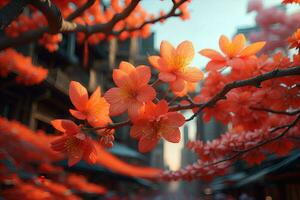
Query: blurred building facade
{"type": "Point", "coordinates": [37, 105]}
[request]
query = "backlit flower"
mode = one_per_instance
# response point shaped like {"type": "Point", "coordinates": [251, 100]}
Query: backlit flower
{"type": "Point", "coordinates": [173, 66]}
{"type": "Point", "coordinates": [94, 109]}
{"type": "Point", "coordinates": [132, 91]}
{"type": "Point", "coordinates": [235, 53]}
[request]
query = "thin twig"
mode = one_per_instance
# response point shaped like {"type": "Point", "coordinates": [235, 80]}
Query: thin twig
{"type": "Point", "coordinates": [255, 81]}
{"type": "Point", "coordinates": [279, 112]}
{"type": "Point", "coordinates": [241, 152]}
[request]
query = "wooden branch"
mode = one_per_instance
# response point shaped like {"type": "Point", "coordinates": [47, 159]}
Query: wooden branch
{"type": "Point", "coordinates": [10, 12]}
{"type": "Point", "coordinates": [171, 13]}
{"type": "Point", "coordinates": [256, 81]}
{"type": "Point", "coordinates": [241, 152]}
{"type": "Point", "coordinates": [279, 112]}
{"type": "Point", "coordinates": [65, 26]}
{"type": "Point", "coordinates": [59, 25]}
{"type": "Point", "coordinates": [80, 10]}
{"type": "Point", "coordinates": [51, 12]}
{"type": "Point", "coordinates": [293, 71]}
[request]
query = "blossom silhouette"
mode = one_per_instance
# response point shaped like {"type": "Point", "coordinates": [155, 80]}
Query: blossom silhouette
{"type": "Point", "coordinates": [173, 66]}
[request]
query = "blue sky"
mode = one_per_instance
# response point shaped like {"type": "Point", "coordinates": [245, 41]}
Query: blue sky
{"type": "Point", "coordinates": [209, 20]}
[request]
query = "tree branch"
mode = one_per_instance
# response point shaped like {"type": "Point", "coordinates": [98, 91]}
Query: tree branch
{"type": "Point", "coordinates": [61, 25]}
{"type": "Point", "coordinates": [293, 71]}
{"type": "Point", "coordinates": [10, 12]}
{"type": "Point", "coordinates": [80, 10]}
{"type": "Point", "coordinates": [171, 13]}
{"type": "Point", "coordinates": [241, 152]}
{"type": "Point", "coordinates": [279, 112]}
{"type": "Point", "coordinates": [256, 81]}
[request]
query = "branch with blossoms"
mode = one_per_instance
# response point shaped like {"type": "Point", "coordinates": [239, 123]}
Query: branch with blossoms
{"type": "Point", "coordinates": [152, 119]}
{"type": "Point", "coordinates": [255, 81]}
{"type": "Point", "coordinates": [286, 128]}
{"type": "Point", "coordinates": [57, 24]}
{"type": "Point", "coordinates": [218, 165]}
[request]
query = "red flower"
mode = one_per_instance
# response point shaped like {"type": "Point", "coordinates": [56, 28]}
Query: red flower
{"type": "Point", "coordinates": [74, 142]}
{"type": "Point", "coordinates": [156, 122]}
{"type": "Point", "coordinates": [235, 53]}
{"type": "Point", "coordinates": [94, 109]}
{"type": "Point", "coordinates": [173, 65]}
{"type": "Point", "coordinates": [132, 91]}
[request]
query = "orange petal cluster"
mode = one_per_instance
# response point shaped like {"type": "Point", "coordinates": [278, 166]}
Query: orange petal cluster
{"type": "Point", "coordinates": [155, 123]}
{"type": "Point", "coordinates": [290, 1]}
{"type": "Point", "coordinates": [173, 66]}
{"type": "Point", "coordinates": [94, 109]}
{"type": "Point", "coordinates": [132, 91]}
{"type": "Point", "coordinates": [27, 73]}
{"type": "Point", "coordinates": [235, 53]}
{"type": "Point", "coordinates": [294, 40]}
{"type": "Point", "coordinates": [73, 142]}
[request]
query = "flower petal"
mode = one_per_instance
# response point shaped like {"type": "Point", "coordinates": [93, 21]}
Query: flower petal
{"type": "Point", "coordinates": [146, 93]}
{"type": "Point", "coordinates": [252, 49]}
{"type": "Point", "coordinates": [167, 51]}
{"type": "Point", "coordinates": [121, 78]}
{"type": "Point", "coordinates": [143, 74]}
{"type": "Point", "coordinates": [135, 109]}
{"type": "Point", "coordinates": [224, 44]}
{"type": "Point", "coordinates": [114, 97]}
{"type": "Point", "coordinates": [161, 107]}
{"type": "Point", "coordinates": [192, 74]}
{"type": "Point", "coordinates": [153, 60]}
{"type": "Point", "coordinates": [185, 51]}
{"type": "Point", "coordinates": [147, 143]}
{"type": "Point", "coordinates": [166, 76]}
{"type": "Point", "coordinates": [96, 121]}
{"type": "Point", "coordinates": [74, 150]}
{"type": "Point", "coordinates": [141, 128]}
{"type": "Point", "coordinates": [237, 45]}
{"type": "Point", "coordinates": [65, 125]}
{"type": "Point", "coordinates": [77, 114]}
{"type": "Point", "coordinates": [178, 85]}
{"type": "Point", "coordinates": [215, 65]}
{"type": "Point", "coordinates": [78, 95]}
{"type": "Point", "coordinates": [171, 134]}
{"type": "Point", "coordinates": [90, 152]}
{"type": "Point", "coordinates": [59, 144]}
{"type": "Point", "coordinates": [174, 119]}
{"type": "Point", "coordinates": [73, 159]}
{"type": "Point", "coordinates": [212, 54]}
{"type": "Point", "coordinates": [94, 98]}
{"type": "Point", "coordinates": [97, 105]}
{"type": "Point", "coordinates": [126, 67]}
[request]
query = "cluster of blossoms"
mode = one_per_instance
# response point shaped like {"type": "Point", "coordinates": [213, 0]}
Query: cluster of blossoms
{"type": "Point", "coordinates": [26, 23]}
{"type": "Point", "coordinates": [38, 158]}
{"type": "Point", "coordinates": [132, 26]}
{"type": "Point", "coordinates": [254, 113]}
{"type": "Point", "coordinates": [27, 73]}
{"type": "Point", "coordinates": [290, 1]}
{"type": "Point", "coordinates": [245, 109]}
{"type": "Point", "coordinates": [133, 95]}
{"type": "Point", "coordinates": [230, 144]}
{"type": "Point", "coordinates": [152, 119]}
{"type": "Point", "coordinates": [275, 25]}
